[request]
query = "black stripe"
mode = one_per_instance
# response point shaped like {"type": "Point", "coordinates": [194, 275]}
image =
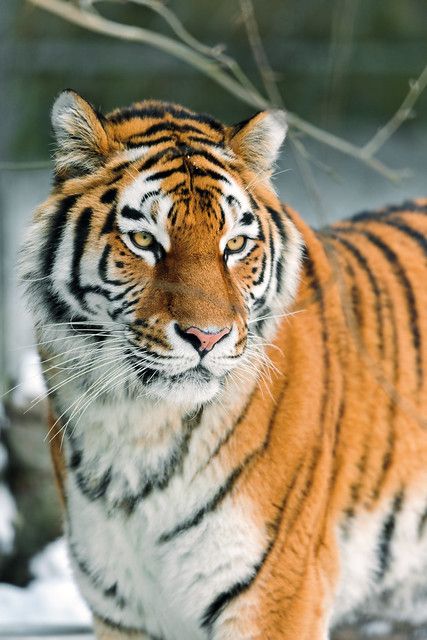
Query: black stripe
{"type": "Point", "coordinates": [407, 205]}
{"type": "Point", "coordinates": [108, 196]}
{"type": "Point", "coordinates": [97, 581]}
{"type": "Point", "coordinates": [132, 214]}
{"type": "Point", "coordinates": [152, 160]}
{"type": "Point", "coordinates": [272, 257]}
{"type": "Point", "coordinates": [399, 224]}
{"type": "Point", "coordinates": [173, 467]}
{"type": "Point", "coordinates": [225, 439]}
{"type": "Point", "coordinates": [121, 166]}
{"type": "Point", "coordinates": [261, 274]}
{"type": "Point", "coordinates": [109, 225]}
{"type": "Point", "coordinates": [180, 187]}
{"type": "Point", "coordinates": [386, 537]}
{"type": "Point", "coordinates": [318, 295]}
{"type": "Point", "coordinates": [172, 127]}
{"type": "Point", "coordinates": [208, 156]}
{"type": "Point", "coordinates": [401, 275]}
{"type": "Point", "coordinates": [161, 112]}
{"type": "Point", "coordinates": [207, 508]}
{"type": "Point", "coordinates": [166, 173]}
{"type": "Point", "coordinates": [364, 264]}
{"type": "Point", "coordinates": [214, 610]}
{"type": "Point", "coordinates": [379, 311]}
{"type": "Point", "coordinates": [122, 629]}
{"type": "Point", "coordinates": [134, 144]}
{"type": "Point", "coordinates": [55, 232]}
{"type": "Point", "coordinates": [229, 483]}
{"type": "Point", "coordinates": [388, 455]}
{"type": "Point", "coordinates": [247, 218]}
{"type": "Point", "coordinates": [103, 268]}
{"type": "Point", "coordinates": [149, 194]}
{"type": "Point", "coordinates": [206, 141]}
{"type": "Point", "coordinates": [82, 232]}
{"type": "Point", "coordinates": [91, 490]}
{"type": "Point", "coordinates": [277, 219]}
{"type": "Point", "coordinates": [422, 524]}
{"type": "Point", "coordinates": [203, 172]}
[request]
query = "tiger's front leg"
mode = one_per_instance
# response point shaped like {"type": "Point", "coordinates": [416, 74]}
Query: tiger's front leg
{"type": "Point", "coordinates": [267, 613]}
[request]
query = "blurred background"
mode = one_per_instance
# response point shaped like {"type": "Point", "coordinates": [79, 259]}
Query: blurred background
{"type": "Point", "coordinates": [342, 65]}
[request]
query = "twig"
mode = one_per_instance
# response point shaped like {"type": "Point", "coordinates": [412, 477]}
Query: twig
{"type": "Point", "coordinates": [213, 68]}
{"type": "Point", "coordinates": [403, 113]}
{"type": "Point", "coordinates": [216, 52]}
{"type": "Point", "coordinates": [302, 159]}
{"type": "Point", "coordinates": [36, 165]}
{"type": "Point", "coordinates": [266, 72]}
{"type": "Point", "coordinates": [99, 24]}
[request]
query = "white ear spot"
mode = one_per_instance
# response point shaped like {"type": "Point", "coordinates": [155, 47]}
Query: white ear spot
{"type": "Point", "coordinates": [82, 141]}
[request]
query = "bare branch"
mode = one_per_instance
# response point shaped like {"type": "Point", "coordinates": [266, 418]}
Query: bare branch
{"type": "Point", "coordinates": [99, 24]}
{"type": "Point", "coordinates": [266, 72]}
{"type": "Point", "coordinates": [36, 165]}
{"type": "Point", "coordinates": [213, 67]}
{"type": "Point", "coordinates": [403, 113]}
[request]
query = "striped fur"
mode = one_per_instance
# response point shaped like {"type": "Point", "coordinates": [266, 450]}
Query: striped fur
{"type": "Point", "coordinates": [276, 486]}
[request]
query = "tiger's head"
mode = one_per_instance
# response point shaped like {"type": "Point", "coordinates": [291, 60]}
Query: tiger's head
{"type": "Point", "coordinates": [163, 248]}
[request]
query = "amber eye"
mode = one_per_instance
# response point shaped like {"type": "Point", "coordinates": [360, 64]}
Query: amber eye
{"type": "Point", "coordinates": [236, 244]}
{"type": "Point", "coordinates": [142, 239]}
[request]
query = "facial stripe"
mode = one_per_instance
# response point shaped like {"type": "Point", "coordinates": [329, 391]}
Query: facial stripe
{"type": "Point", "coordinates": [386, 536]}
{"type": "Point", "coordinates": [55, 233]}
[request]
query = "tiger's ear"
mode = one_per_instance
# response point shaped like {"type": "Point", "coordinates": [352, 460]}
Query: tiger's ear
{"type": "Point", "coordinates": [82, 142]}
{"type": "Point", "coordinates": [258, 140]}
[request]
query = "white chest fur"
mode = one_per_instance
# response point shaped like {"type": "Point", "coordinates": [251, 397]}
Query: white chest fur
{"type": "Point", "coordinates": [151, 542]}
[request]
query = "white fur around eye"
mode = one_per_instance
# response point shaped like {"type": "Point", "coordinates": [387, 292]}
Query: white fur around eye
{"type": "Point", "coordinates": [145, 254]}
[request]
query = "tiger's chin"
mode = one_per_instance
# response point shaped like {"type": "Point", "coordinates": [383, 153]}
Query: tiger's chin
{"type": "Point", "coordinates": [192, 388]}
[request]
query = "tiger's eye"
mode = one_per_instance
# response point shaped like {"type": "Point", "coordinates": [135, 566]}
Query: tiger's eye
{"type": "Point", "coordinates": [236, 244]}
{"type": "Point", "coordinates": [142, 239]}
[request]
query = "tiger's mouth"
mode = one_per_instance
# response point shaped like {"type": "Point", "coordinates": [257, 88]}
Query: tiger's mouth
{"type": "Point", "coordinates": [196, 374]}
{"type": "Point", "coordinates": [194, 386]}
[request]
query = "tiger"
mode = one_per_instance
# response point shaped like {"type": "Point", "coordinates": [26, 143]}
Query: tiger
{"type": "Point", "coordinates": [237, 401]}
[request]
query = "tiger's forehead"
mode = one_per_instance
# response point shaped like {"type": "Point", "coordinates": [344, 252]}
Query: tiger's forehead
{"type": "Point", "coordinates": [177, 189]}
{"type": "Point", "coordinates": [151, 123]}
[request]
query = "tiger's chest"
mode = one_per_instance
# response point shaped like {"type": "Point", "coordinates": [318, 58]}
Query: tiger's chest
{"type": "Point", "coordinates": [155, 539]}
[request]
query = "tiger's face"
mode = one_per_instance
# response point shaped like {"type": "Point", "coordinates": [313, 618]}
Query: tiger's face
{"type": "Point", "coordinates": [164, 245]}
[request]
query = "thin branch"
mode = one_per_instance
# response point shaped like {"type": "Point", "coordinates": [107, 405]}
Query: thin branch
{"type": "Point", "coordinates": [213, 68]}
{"type": "Point", "coordinates": [216, 52]}
{"type": "Point", "coordinates": [403, 113]}
{"type": "Point", "coordinates": [266, 72]}
{"type": "Point", "coordinates": [35, 165]}
{"type": "Point", "coordinates": [99, 24]}
{"type": "Point", "coordinates": [302, 158]}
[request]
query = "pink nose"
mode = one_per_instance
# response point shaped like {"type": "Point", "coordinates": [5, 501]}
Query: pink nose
{"type": "Point", "coordinates": [206, 339]}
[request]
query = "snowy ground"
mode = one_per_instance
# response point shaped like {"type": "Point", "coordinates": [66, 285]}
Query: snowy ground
{"type": "Point", "coordinates": [51, 598]}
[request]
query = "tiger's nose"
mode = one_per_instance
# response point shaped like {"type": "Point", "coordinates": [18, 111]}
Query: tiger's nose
{"type": "Point", "coordinates": [203, 341]}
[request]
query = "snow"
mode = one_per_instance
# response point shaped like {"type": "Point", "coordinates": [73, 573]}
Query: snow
{"type": "Point", "coordinates": [7, 519]}
{"type": "Point", "coordinates": [7, 505]}
{"type": "Point", "coordinates": [30, 380]}
{"type": "Point", "coordinates": [51, 598]}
